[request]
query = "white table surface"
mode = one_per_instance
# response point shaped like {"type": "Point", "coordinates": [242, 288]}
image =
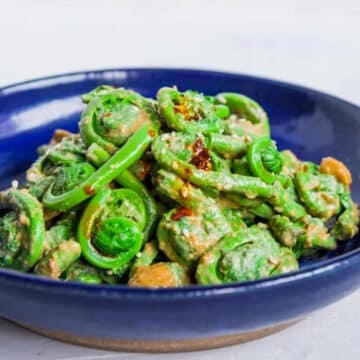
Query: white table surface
{"type": "Point", "coordinates": [315, 45]}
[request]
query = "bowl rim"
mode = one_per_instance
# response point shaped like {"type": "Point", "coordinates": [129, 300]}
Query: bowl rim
{"type": "Point", "coordinates": [313, 270]}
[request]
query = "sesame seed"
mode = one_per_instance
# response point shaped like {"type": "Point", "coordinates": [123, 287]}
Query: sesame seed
{"type": "Point", "coordinates": [14, 184]}
{"type": "Point", "coordinates": [186, 232]}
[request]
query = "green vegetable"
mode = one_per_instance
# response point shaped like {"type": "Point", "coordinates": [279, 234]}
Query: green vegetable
{"type": "Point", "coordinates": [301, 237]}
{"type": "Point", "coordinates": [255, 206]}
{"type": "Point", "coordinates": [191, 111]}
{"type": "Point", "coordinates": [122, 159]}
{"type": "Point", "coordinates": [64, 229]}
{"type": "Point", "coordinates": [287, 262]}
{"type": "Point", "coordinates": [22, 230]}
{"type": "Point", "coordinates": [265, 161]}
{"type": "Point", "coordinates": [67, 153]}
{"type": "Point", "coordinates": [347, 224]}
{"type": "Point", "coordinates": [248, 186]}
{"type": "Point", "coordinates": [58, 259]}
{"type": "Point", "coordinates": [319, 193]}
{"type": "Point", "coordinates": [229, 146]}
{"type": "Point", "coordinates": [184, 189]}
{"type": "Point", "coordinates": [110, 229]}
{"type": "Point", "coordinates": [248, 254]}
{"type": "Point", "coordinates": [186, 232]}
{"type": "Point", "coordinates": [113, 115]}
{"type": "Point", "coordinates": [98, 156]}
{"type": "Point", "coordinates": [116, 275]}
{"type": "Point", "coordinates": [250, 118]}
{"type": "Point", "coordinates": [82, 272]}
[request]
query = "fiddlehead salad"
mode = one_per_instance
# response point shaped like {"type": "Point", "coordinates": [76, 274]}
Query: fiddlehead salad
{"type": "Point", "coordinates": [183, 189]}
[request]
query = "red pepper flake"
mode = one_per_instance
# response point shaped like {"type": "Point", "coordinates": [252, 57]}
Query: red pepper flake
{"type": "Point", "coordinates": [182, 106]}
{"type": "Point", "coordinates": [188, 171]}
{"type": "Point", "coordinates": [201, 158]}
{"type": "Point", "coordinates": [183, 110]}
{"type": "Point", "coordinates": [89, 190]}
{"type": "Point", "coordinates": [304, 168]}
{"type": "Point", "coordinates": [180, 213]}
{"type": "Point", "coordinates": [152, 133]}
{"type": "Point", "coordinates": [198, 147]}
{"type": "Point", "coordinates": [144, 171]}
{"type": "Point", "coordinates": [110, 148]}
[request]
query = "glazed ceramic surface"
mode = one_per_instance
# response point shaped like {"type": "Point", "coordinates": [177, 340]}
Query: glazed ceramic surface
{"type": "Point", "coordinates": [310, 123]}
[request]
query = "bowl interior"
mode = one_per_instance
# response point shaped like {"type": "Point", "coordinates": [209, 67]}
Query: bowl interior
{"type": "Point", "coordinates": [311, 124]}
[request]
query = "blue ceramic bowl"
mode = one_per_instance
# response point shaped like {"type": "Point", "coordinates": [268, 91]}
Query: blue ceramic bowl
{"type": "Point", "coordinates": [310, 123]}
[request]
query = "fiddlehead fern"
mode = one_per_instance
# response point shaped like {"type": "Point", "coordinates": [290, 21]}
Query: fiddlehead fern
{"type": "Point", "coordinates": [69, 151]}
{"type": "Point", "coordinates": [64, 229]}
{"type": "Point", "coordinates": [118, 274]}
{"type": "Point", "coordinates": [290, 163]}
{"type": "Point", "coordinates": [247, 116]}
{"type": "Point", "coordinates": [22, 230]}
{"type": "Point", "coordinates": [301, 237]}
{"type": "Point", "coordinates": [246, 255]}
{"type": "Point", "coordinates": [229, 146]}
{"type": "Point", "coordinates": [255, 206]}
{"type": "Point", "coordinates": [60, 248]}
{"type": "Point", "coordinates": [285, 231]}
{"type": "Point", "coordinates": [109, 230]}
{"type": "Point", "coordinates": [235, 218]}
{"type": "Point", "coordinates": [186, 232]}
{"type": "Point", "coordinates": [319, 193]}
{"type": "Point", "coordinates": [122, 159]}
{"type": "Point", "coordinates": [241, 167]}
{"type": "Point", "coordinates": [82, 272]}
{"type": "Point", "coordinates": [265, 161]}
{"type": "Point", "coordinates": [251, 187]}
{"type": "Point", "coordinates": [113, 115]}
{"type": "Point", "coordinates": [69, 177]}
{"type": "Point", "coordinates": [58, 259]}
{"type": "Point", "coordinates": [287, 262]}
{"type": "Point", "coordinates": [99, 156]}
{"type": "Point", "coordinates": [191, 111]}
{"type": "Point", "coordinates": [347, 223]}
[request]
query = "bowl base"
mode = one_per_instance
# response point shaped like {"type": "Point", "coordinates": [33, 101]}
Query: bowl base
{"type": "Point", "coordinates": [158, 346]}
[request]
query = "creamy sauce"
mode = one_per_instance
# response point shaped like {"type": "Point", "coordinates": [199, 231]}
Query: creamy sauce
{"type": "Point", "coordinates": [332, 166]}
{"type": "Point", "coordinates": [158, 275]}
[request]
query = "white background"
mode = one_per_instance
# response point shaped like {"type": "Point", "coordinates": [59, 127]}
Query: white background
{"type": "Point", "coordinates": [314, 43]}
